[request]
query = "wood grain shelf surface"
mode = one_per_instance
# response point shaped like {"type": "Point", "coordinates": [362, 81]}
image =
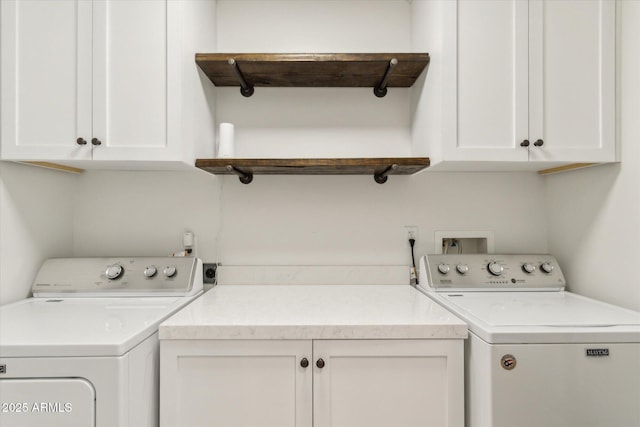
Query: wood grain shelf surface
{"type": "Point", "coordinates": [313, 69]}
{"type": "Point", "coordinates": [325, 166]}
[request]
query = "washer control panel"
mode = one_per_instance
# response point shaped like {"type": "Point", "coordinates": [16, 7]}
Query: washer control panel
{"type": "Point", "coordinates": [112, 277]}
{"type": "Point", "coordinates": [491, 272]}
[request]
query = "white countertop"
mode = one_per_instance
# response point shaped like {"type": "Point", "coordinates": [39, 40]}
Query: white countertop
{"type": "Point", "coordinates": [313, 312]}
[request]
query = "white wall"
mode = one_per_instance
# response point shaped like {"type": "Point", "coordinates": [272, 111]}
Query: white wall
{"type": "Point", "coordinates": [302, 220]}
{"type": "Point", "coordinates": [353, 220]}
{"type": "Point", "coordinates": [123, 213]}
{"type": "Point", "coordinates": [594, 214]}
{"type": "Point", "coordinates": [36, 222]}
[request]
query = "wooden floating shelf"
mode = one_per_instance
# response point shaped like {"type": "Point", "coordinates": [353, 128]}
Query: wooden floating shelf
{"type": "Point", "coordinates": [380, 168]}
{"type": "Point", "coordinates": [313, 69]}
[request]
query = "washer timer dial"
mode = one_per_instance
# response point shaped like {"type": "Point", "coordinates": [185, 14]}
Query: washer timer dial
{"type": "Point", "coordinates": [495, 268]}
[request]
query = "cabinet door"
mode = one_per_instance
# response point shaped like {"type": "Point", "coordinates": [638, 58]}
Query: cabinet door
{"type": "Point", "coordinates": [378, 383]}
{"type": "Point", "coordinates": [136, 76]}
{"type": "Point", "coordinates": [46, 79]}
{"type": "Point", "coordinates": [572, 80]}
{"type": "Point", "coordinates": [235, 383]}
{"type": "Point", "coordinates": [485, 92]}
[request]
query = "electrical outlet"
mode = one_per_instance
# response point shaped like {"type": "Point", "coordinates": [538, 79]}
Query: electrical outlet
{"type": "Point", "coordinates": [410, 232]}
{"type": "Point", "coordinates": [209, 272]}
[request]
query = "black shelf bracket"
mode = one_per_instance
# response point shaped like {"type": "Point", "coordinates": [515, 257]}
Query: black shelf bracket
{"type": "Point", "coordinates": [246, 90]}
{"type": "Point", "coordinates": [245, 177]}
{"type": "Point", "coordinates": [381, 90]}
{"type": "Point", "coordinates": [383, 176]}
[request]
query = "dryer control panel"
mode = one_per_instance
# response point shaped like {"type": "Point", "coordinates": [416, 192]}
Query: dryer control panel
{"type": "Point", "coordinates": [110, 277]}
{"type": "Point", "coordinates": [491, 272]}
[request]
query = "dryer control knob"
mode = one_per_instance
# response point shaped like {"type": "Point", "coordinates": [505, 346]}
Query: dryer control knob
{"type": "Point", "coordinates": [528, 268]}
{"type": "Point", "coordinates": [150, 271]}
{"type": "Point", "coordinates": [444, 268]}
{"type": "Point", "coordinates": [547, 267]}
{"type": "Point", "coordinates": [462, 268]}
{"type": "Point", "coordinates": [495, 268]}
{"type": "Point", "coordinates": [114, 272]}
{"type": "Point", "coordinates": [170, 271]}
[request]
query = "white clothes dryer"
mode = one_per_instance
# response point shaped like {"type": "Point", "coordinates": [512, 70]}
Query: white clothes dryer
{"type": "Point", "coordinates": [537, 355]}
{"type": "Point", "coordinates": [84, 350]}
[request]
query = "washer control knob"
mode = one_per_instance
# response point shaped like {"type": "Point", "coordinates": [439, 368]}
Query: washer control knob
{"type": "Point", "coordinates": [528, 268]}
{"type": "Point", "coordinates": [462, 268]}
{"type": "Point", "coordinates": [150, 271]}
{"type": "Point", "coordinates": [444, 268]}
{"type": "Point", "coordinates": [114, 272]}
{"type": "Point", "coordinates": [495, 268]}
{"type": "Point", "coordinates": [170, 271]}
{"type": "Point", "coordinates": [547, 267]}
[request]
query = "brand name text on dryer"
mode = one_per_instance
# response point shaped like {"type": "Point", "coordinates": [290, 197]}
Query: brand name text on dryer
{"type": "Point", "coordinates": [24, 407]}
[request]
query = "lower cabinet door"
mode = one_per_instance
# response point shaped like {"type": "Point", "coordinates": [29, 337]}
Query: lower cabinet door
{"type": "Point", "coordinates": [319, 383]}
{"type": "Point", "coordinates": [382, 383]}
{"type": "Point", "coordinates": [236, 383]}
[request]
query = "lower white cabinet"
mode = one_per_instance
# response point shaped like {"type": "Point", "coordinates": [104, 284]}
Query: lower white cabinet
{"type": "Point", "coordinates": [235, 383]}
{"type": "Point", "coordinates": [304, 383]}
{"type": "Point", "coordinates": [376, 383]}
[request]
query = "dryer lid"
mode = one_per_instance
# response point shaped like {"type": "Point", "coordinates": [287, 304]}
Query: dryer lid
{"type": "Point", "coordinates": [56, 327]}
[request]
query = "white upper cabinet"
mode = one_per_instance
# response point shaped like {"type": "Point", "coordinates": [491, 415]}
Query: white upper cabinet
{"type": "Point", "coordinates": [100, 81]}
{"type": "Point", "coordinates": [486, 95]}
{"type": "Point", "coordinates": [527, 81]}
{"type": "Point", "coordinates": [46, 79]}
{"type": "Point", "coordinates": [136, 79]}
{"type": "Point", "coordinates": [572, 80]}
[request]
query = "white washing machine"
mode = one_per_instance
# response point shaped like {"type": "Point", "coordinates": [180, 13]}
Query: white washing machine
{"type": "Point", "coordinates": [84, 350]}
{"type": "Point", "coordinates": [537, 355]}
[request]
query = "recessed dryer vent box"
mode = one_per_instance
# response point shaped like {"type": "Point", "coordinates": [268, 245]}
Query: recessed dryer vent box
{"type": "Point", "coordinates": [463, 242]}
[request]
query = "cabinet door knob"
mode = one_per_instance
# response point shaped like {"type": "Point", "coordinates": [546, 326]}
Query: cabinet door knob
{"type": "Point", "coordinates": [320, 363]}
{"type": "Point", "coordinates": [81, 141]}
{"type": "Point", "coordinates": [538, 143]}
{"type": "Point", "coordinates": [96, 141]}
{"type": "Point", "coordinates": [304, 362]}
{"type": "Point", "coordinates": [524, 143]}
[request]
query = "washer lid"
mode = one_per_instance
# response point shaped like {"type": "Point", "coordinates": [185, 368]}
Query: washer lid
{"type": "Point", "coordinates": [542, 309]}
{"type": "Point", "coordinates": [528, 317]}
{"type": "Point", "coordinates": [52, 327]}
